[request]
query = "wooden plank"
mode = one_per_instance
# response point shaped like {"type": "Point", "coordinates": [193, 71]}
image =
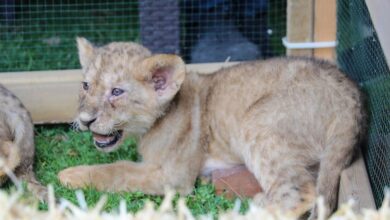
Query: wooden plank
{"type": "Point", "coordinates": [51, 96]}
{"type": "Point", "coordinates": [380, 16]}
{"type": "Point", "coordinates": [325, 27]}
{"type": "Point", "coordinates": [354, 184]}
{"type": "Point", "coordinates": [207, 68]}
{"type": "Point", "coordinates": [300, 16]}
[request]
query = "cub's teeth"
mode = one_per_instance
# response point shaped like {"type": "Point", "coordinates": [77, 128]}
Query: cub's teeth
{"type": "Point", "coordinates": [103, 142]}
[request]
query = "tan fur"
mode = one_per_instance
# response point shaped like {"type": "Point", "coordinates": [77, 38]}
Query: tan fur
{"type": "Point", "coordinates": [293, 122]}
{"type": "Point", "coordinates": [17, 142]}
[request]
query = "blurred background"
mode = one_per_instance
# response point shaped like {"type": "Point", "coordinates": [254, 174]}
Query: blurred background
{"type": "Point", "coordinates": [40, 35]}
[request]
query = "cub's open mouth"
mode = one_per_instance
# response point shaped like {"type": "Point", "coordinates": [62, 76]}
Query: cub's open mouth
{"type": "Point", "coordinates": [105, 141]}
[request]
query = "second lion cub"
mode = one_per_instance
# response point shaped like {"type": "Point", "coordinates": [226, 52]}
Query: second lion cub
{"type": "Point", "coordinates": [17, 147]}
{"type": "Point", "coordinates": [293, 122]}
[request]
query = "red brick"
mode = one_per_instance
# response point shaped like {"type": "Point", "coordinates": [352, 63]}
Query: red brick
{"type": "Point", "coordinates": [235, 182]}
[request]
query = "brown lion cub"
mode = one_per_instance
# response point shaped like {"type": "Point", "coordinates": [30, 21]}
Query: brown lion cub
{"type": "Point", "coordinates": [293, 122]}
{"type": "Point", "coordinates": [17, 142]}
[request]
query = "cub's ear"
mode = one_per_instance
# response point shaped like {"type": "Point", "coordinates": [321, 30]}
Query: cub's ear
{"type": "Point", "coordinates": [86, 51]}
{"type": "Point", "coordinates": [165, 73]}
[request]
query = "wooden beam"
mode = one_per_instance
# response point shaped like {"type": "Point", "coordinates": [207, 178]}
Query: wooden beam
{"type": "Point", "coordinates": [380, 16]}
{"type": "Point", "coordinates": [325, 27]}
{"type": "Point", "coordinates": [300, 16]}
{"type": "Point", "coordinates": [208, 68]}
{"type": "Point", "coordinates": [51, 96]}
{"type": "Point", "coordinates": [354, 184]}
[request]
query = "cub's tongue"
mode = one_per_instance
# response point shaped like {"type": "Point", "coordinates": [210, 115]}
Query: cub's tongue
{"type": "Point", "coordinates": [103, 138]}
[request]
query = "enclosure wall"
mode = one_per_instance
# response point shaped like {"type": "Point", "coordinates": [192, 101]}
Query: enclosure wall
{"type": "Point", "coordinates": [360, 56]}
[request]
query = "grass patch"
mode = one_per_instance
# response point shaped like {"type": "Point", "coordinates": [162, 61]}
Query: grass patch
{"type": "Point", "coordinates": [59, 147]}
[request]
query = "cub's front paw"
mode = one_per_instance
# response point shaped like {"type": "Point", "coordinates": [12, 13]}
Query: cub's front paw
{"type": "Point", "coordinates": [76, 177]}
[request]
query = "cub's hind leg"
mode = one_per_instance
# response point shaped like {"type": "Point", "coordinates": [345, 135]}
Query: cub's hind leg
{"type": "Point", "coordinates": [286, 182]}
{"type": "Point", "coordinates": [339, 153]}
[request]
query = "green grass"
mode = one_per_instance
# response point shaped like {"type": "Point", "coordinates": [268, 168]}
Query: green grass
{"type": "Point", "coordinates": [59, 147]}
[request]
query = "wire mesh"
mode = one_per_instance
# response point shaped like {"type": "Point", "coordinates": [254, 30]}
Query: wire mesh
{"type": "Point", "coordinates": [360, 55]}
{"type": "Point", "coordinates": [40, 34]}
{"type": "Point", "coordinates": [217, 30]}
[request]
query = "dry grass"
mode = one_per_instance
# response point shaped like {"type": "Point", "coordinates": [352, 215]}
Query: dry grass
{"type": "Point", "coordinates": [14, 207]}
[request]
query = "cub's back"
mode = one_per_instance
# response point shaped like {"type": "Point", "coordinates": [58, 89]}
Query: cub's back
{"type": "Point", "coordinates": [297, 97]}
{"type": "Point", "coordinates": [294, 81]}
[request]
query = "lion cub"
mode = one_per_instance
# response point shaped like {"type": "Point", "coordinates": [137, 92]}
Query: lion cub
{"type": "Point", "coordinates": [293, 122]}
{"type": "Point", "coordinates": [17, 142]}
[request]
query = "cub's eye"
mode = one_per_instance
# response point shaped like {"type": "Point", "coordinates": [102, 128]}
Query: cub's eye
{"type": "Point", "coordinates": [85, 86]}
{"type": "Point", "coordinates": [117, 92]}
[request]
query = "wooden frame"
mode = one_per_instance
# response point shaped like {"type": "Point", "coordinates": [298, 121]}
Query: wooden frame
{"type": "Point", "coordinates": [325, 27]}
{"type": "Point", "coordinates": [300, 25]}
{"type": "Point", "coordinates": [354, 184]}
{"type": "Point", "coordinates": [311, 21]}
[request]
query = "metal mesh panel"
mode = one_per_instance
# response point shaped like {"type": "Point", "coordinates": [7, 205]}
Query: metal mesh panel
{"type": "Point", "coordinates": [39, 34]}
{"type": "Point", "coordinates": [160, 25]}
{"type": "Point", "coordinates": [217, 30]}
{"type": "Point", "coordinates": [360, 55]}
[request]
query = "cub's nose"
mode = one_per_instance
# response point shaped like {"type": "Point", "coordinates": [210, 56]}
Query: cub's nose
{"type": "Point", "coordinates": [87, 123]}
